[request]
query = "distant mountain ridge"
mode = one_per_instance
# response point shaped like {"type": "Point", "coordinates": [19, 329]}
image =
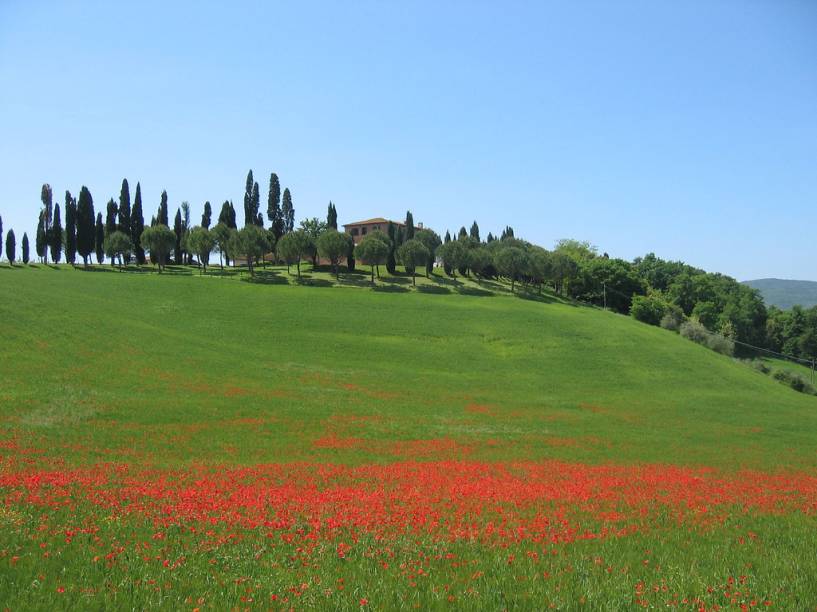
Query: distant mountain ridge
{"type": "Point", "coordinates": [786, 293]}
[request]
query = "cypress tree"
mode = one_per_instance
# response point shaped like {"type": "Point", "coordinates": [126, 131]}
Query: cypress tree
{"type": "Point", "coordinates": [288, 211]}
{"type": "Point", "coordinates": [332, 216]}
{"type": "Point", "coordinates": [490, 237]}
{"type": "Point", "coordinates": [274, 214]}
{"type": "Point", "coordinates": [70, 228]}
{"type": "Point", "coordinates": [11, 247]}
{"type": "Point", "coordinates": [137, 226]}
{"type": "Point", "coordinates": [111, 218]}
{"type": "Point", "coordinates": [178, 230]}
{"type": "Point", "coordinates": [409, 234]}
{"type": "Point", "coordinates": [206, 218]}
{"type": "Point", "coordinates": [40, 240]}
{"type": "Point", "coordinates": [250, 213]}
{"type": "Point", "coordinates": [462, 233]}
{"type": "Point", "coordinates": [447, 236]}
{"type": "Point", "coordinates": [1, 236]}
{"type": "Point", "coordinates": [233, 221]}
{"type": "Point", "coordinates": [391, 263]}
{"type": "Point", "coordinates": [162, 218]}
{"type": "Point", "coordinates": [474, 233]}
{"type": "Point", "coordinates": [46, 197]}
{"type": "Point", "coordinates": [25, 248]}
{"type": "Point", "coordinates": [85, 224]}
{"type": "Point", "coordinates": [125, 212]}
{"type": "Point", "coordinates": [55, 240]}
{"type": "Point", "coordinates": [99, 240]}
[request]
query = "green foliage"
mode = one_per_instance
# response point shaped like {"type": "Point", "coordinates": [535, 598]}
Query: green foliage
{"type": "Point", "coordinates": [333, 245]}
{"type": "Point", "coordinates": [55, 236]}
{"type": "Point", "coordinates": [118, 244]}
{"type": "Point", "coordinates": [99, 239]}
{"type": "Point", "coordinates": [137, 226]}
{"type": "Point", "coordinates": [125, 220]}
{"type": "Point", "coordinates": [332, 216]}
{"type": "Point", "coordinates": [158, 240]}
{"type": "Point", "coordinates": [111, 215]}
{"type": "Point", "coordinates": [251, 201]}
{"type": "Point", "coordinates": [650, 309]}
{"type": "Point", "coordinates": [250, 242]}
{"type": "Point", "coordinates": [222, 235]}
{"type": "Point", "coordinates": [431, 241]}
{"type": "Point", "coordinates": [46, 197]}
{"type": "Point", "coordinates": [25, 248]}
{"type": "Point", "coordinates": [71, 227]}
{"type": "Point", "coordinates": [511, 262]}
{"type": "Point", "coordinates": [162, 218]}
{"type": "Point", "coordinates": [274, 214]}
{"type": "Point", "coordinates": [294, 246]}
{"type": "Point", "coordinates": [207, 215]}
{"type": "Point", "coordinates": [227, 215]}
{"type": "Point", "coordinates": [11, 247]}
{"type": "Point", "coordinates": [85, 225]}
{"type": "Point", "coordinates": [479, 260]}
{"type": "Point", "coordinates": [695, 331]}
{"type": "Point", "coordinates": [201, 242]}
{"type": "Point", "coordinates": [413, 253]}
{"type": "Point", "coordinates": [409, 231]}
{"type": "Point", "coordinates": [794, 380]}
{"type": "Point", "coordinates": [41, 240]}
{"type": "Point", "coordinates": [1, 235]}
{"type": "Point", "coordinates": [288, 212]}
{"type": "Point", "coordinates": [373, 250]}
{"type": "Point", "coordinates": [474, 231]}
{"type": "Point", "coordinates": [453, 255]}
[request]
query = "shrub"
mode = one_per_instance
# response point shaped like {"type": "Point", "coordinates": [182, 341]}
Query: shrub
{"type": "Point", "coordinates": [672, 320]}
{"type": "Point", "coordinates": [759, 365]}
{"type": "Point", "coordinates": [649, 309]}
{"type": "Point", "coordinates": [696, 332]}
{"type": "Point", "coordinates": [795, 381]}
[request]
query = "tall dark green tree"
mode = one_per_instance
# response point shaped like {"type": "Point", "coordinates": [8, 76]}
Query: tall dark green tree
{"type": "Point", "coordinates": [124, 208]}
{"type": "Point", "coordinates": [409, 231]}
{"type": "Point", "coordinates": [462, 233]}
{"type": "Point", "coordinates": [274, 213]}
{"type": "Point", "coordinates": [25, 248]}
{"type": "Point", "coordinates": [99, 240]}
{"type": "Point", "coordinates": [70, 228]}
{"type": "Point", "coordinates": [178, 230]}
{"type": "Point", "coordinates": [490, 237]}
{"type": "Point", "coordinates": [227, 215]}
{"type": "Point", "coordinates": [391, 260]}
{"type": "Point", "coordinates": [447, 236]}
{"type": "Point", "coordinates": [40, 239]}
{"type": "Point", "coordinates": [474, 233]}
{"type": "Point", "coordinates": [332, 216]}
{"type": "Point", "coordinates": [137, 226]}
{"type": "Point", "coordinates": [251, 201]}
{"type": "Point", "coordinates": [47, 198]}
{"type": "Point", "coordinates": [11, 247]}
{"type": "Point", "coordinates": [162, 218]}
{"type": "Point", "coordinates": [111, 217]}
{"type": "Point", "coordinates": [288, 211]}
{"type": "Point", "coordinates": [125, 213]}
{"type": "Point", "coordinates": [206, 218]}
{"type": "Point", "coordinates": [1, 235]}
{"type": "Point", "coordinates": [55, 238]}
{"type": "Point", "coordinates": [85, 224]}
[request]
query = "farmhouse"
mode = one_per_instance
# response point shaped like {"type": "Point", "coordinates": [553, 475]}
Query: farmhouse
{"type": "Point", "coordinates": [360, 229]}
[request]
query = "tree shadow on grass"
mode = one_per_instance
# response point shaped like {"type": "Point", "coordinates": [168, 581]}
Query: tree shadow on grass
{"type": "Point", "coordinates": [396, 280]}
{"type": "Point", "coordinates": [355, 280]}
{"type": "Point", "coordinates": [391, 289]}
{"type": "Point", "coordinates": [265, 277]}
{"type": "Point", "coordinates": [433, 289]}
{"type": "Point", "coordinates": [446, 281]}
{"type": "Point", "coordinates": [542, 298]}
{"type": "Point", "coordinates": [475, 292]}
{"type": "Point", "coordinates": [307, 281]}
{"type": "Point", "coordinates": [128, 269]}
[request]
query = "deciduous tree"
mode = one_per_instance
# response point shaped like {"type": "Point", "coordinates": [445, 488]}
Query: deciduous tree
{"type": "Point", "coordinates": [158, 240]}
{"type": "Point", "coordinates": [118, 244]}
{"type": "Point", "coordinates": [432, 242]}
{"type": "Point", "coordinates": [511, 262]}
{"type": "Point", "coordinates": [293, 247]}
{"type": "Point", "coordinates": [373, 251]}
{"type": "Point", "coordinates": [413, 253]}
{"type": "Point", "coordinates": [201, 242]}
{"type": "Point", "coordinates": [333, 245]}
{"type": "Point", "coordinates": [251, 242]}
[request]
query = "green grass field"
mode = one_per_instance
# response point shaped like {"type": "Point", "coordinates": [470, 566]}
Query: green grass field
{"type": "Point", "coordinates": [447, 446]}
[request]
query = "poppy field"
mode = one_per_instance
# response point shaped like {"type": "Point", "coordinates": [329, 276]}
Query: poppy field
{"type": "Point", "coordinates": [200, 443]}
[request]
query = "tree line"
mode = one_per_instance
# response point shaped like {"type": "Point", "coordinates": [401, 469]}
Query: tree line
{"type": "Point", "coordinates": [651, 289]}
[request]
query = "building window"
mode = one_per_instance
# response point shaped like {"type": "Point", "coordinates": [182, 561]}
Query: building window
{"type": "Point", "coordinates": [363, 231]}
{"type": "Point", "coordinates": [354, 231]}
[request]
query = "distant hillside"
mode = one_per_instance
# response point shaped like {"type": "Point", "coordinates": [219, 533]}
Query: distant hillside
{"type": "Point", "coordinates": [786, 293]}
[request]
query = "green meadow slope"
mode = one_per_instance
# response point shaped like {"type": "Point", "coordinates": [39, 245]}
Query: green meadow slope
{"type": "Point", "coordinates": [182, 369]}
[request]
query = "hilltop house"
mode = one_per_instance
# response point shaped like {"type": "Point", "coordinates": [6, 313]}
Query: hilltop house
{"type": "Point", "coordinates": [360, 229]}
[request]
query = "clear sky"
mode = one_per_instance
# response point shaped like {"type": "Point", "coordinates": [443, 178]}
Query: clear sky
{"type": "Point", "coordinates": [684, 128]}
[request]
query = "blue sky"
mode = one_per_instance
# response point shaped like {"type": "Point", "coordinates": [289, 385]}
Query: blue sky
{"type": "Point", "coordinates": [687, 128]}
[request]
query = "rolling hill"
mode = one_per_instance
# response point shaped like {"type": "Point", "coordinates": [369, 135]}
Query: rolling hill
{"type": "Point", "coordinates": [183, 441]}
{"type": "Point", "coordinates": [786, 293]}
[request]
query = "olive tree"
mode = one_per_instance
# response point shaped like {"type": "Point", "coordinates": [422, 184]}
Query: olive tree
{"type": "Point", "coordinates": [293, 247]}
{"type": "Point", "coordinates": [334, 245]}
{"type": "Point", "coordinates": [511, 262]}
{"type": "Point", "coordinates": [411, 254]}
{"type": "Point", "coordinates": [221, 235]}
{"type": "Point", "coordinates": [373, 252]}
{"type": "Point", "coordinates": [251, 242]}
{"type": "Point", "coordinates": [118, 244]}
{"type": "Point", "coordinates": [431, 241]}
{"type": "Point", "coordinates": [201, 241]}
{"type": "Point", "coordinates": [158, 240]}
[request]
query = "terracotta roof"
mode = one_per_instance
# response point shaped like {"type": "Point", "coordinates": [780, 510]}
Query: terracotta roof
{"type": "Point", "coordinates": [370, 221]}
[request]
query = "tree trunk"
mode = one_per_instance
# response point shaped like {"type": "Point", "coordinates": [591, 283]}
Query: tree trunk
{"type": "Point", "coordinates": [298, 265]}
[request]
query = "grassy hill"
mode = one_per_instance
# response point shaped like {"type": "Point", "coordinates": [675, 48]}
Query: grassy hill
{"type": "Point", "coordinates": [786, 293]}
{"type": "Point", "coordinates": [178, 439]}
{"type": "Point", "coordinates": [89, 356]}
